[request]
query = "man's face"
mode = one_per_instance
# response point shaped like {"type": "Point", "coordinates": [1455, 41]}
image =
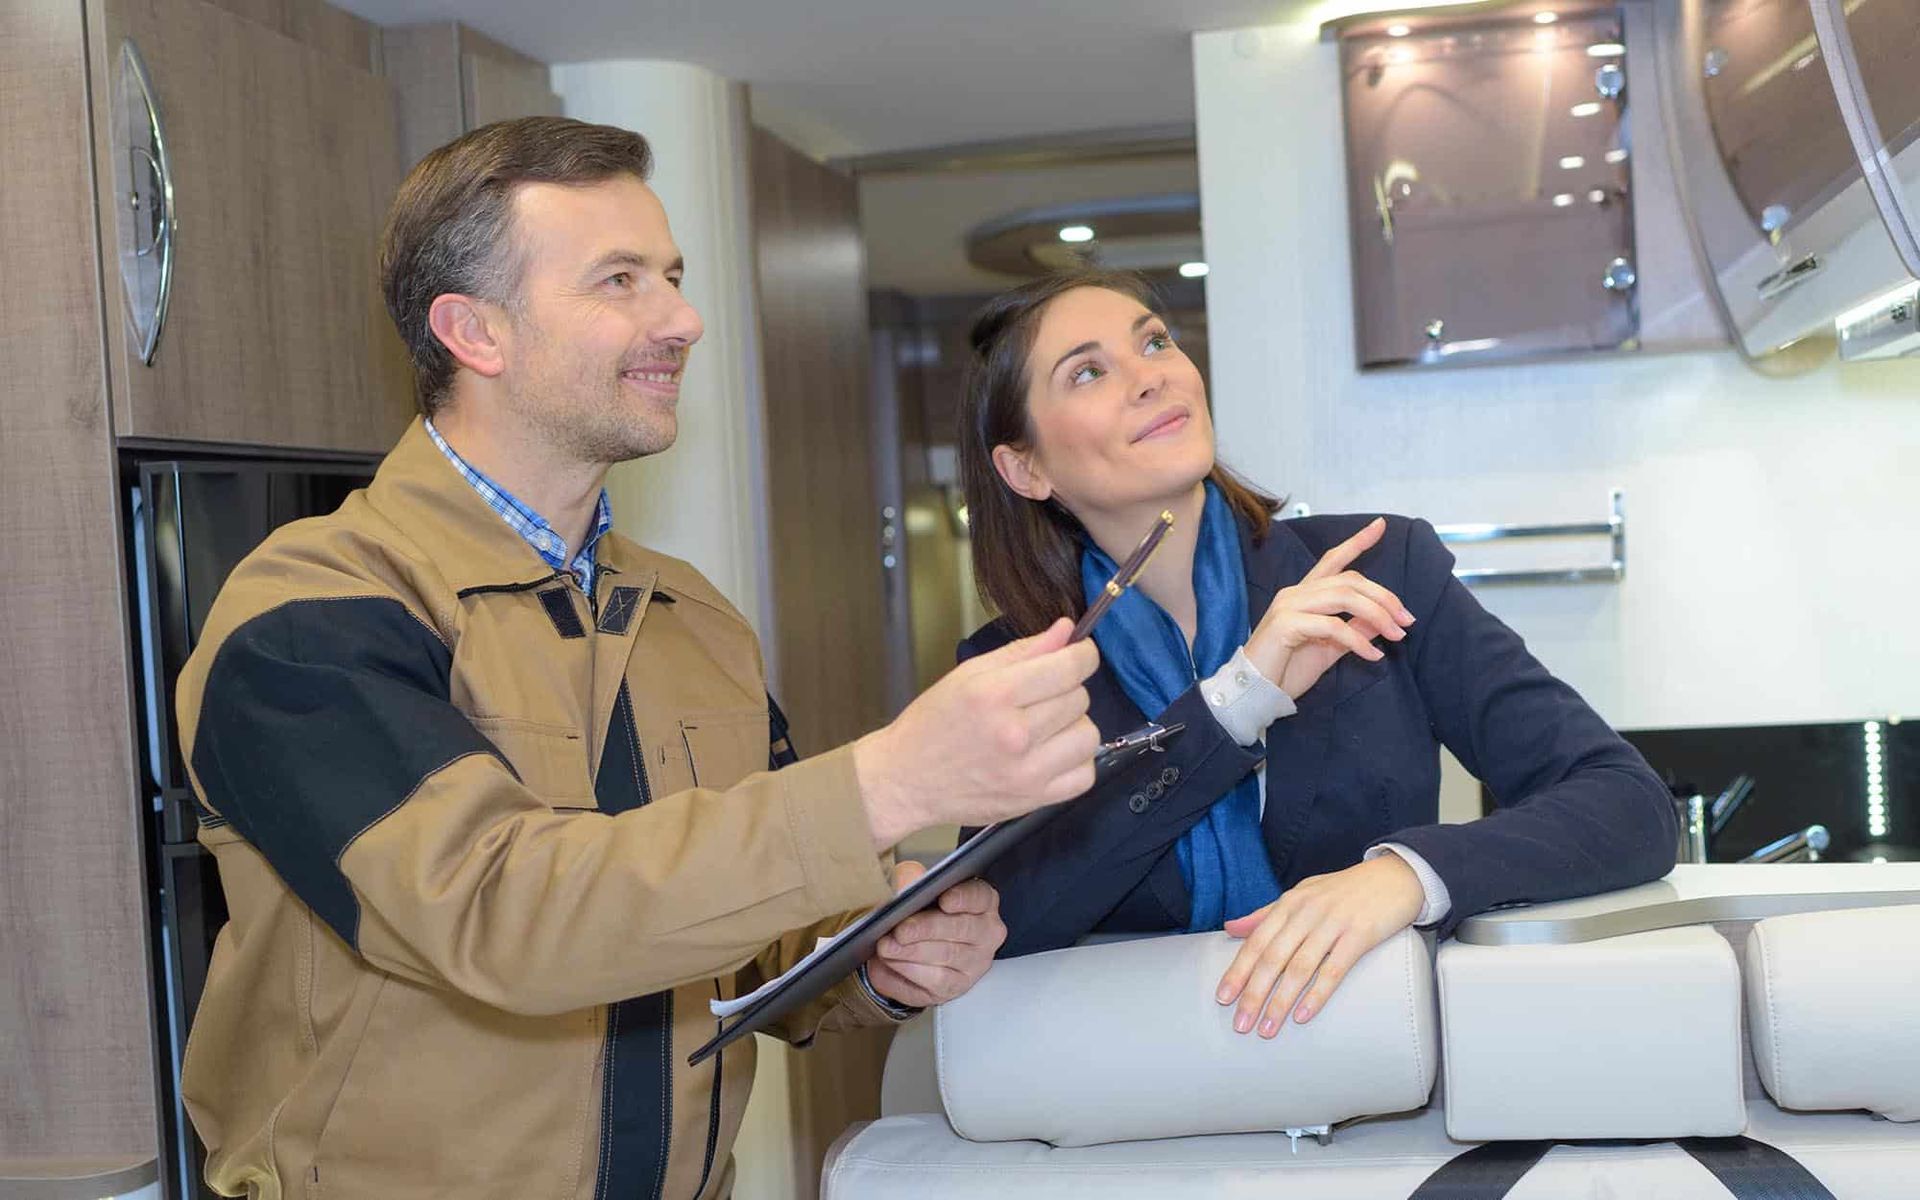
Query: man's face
{"type": "Point", "coordinates": [599, 338]}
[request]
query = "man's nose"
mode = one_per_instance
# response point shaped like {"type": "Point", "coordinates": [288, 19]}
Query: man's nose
{"type": "Point", "coordinates": [678, 323]}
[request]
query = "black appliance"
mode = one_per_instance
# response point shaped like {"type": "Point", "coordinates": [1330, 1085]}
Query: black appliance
{"type": "Point", "coordinates": [189, 522]}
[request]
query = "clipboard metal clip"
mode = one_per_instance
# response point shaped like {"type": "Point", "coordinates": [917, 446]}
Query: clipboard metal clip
{"type": "Point", "coordinates": [1152, 736]}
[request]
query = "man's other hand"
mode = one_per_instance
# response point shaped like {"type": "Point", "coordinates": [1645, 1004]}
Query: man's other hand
{"type": "Point", "coordinates": [938, 953]}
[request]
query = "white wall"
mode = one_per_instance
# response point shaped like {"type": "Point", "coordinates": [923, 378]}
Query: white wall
{"type": "Point", "coordinates": [704, 500]}
{"type": "Point", "coordinates": [1771, 557]}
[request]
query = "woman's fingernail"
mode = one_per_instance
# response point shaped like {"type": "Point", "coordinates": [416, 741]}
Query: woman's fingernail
{"type": "Point", "coordinates": [1303, 1014]}
{"type": "Point", "coordinates": [1269, 1027]}
{"type": "Point", "coordinates": [1406, 616]}
{"type": "Point", "coordinates": [1242, 1023]}
{"type": "Point", "coordinates": [1225, 994]}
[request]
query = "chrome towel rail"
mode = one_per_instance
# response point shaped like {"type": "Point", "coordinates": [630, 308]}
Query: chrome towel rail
{"type": "Point", "coordinates": [1614, 528]}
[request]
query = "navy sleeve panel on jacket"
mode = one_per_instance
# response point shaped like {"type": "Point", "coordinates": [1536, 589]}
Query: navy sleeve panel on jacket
{"type": "Point", "coordinates": [1057, 885]}
{"type": "Point", "coordinates": [319, 718]}
{"type": "Point", "coordinates": [1579, 811]}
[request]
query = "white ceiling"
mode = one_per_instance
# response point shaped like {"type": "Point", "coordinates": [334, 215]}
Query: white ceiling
{"type": "Point", "coordinates": [851, 77]}
{"type": "Point", "coordinates": [916, 224]}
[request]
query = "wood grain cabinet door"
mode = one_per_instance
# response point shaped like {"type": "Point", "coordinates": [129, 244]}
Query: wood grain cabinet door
{"type": "Point", "coordinates": [283, 159]}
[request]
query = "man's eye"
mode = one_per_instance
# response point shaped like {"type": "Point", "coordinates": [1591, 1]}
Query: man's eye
{"type": "Point", "coordinates": [622, 279]}
{"type": "Point", "coordinates": [675, 280]}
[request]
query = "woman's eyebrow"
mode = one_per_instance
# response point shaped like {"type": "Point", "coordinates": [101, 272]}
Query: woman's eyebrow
{"type": "Point", "coordinates": [1083, 347]}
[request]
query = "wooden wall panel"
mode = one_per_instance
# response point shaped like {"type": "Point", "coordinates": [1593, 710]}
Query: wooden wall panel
{"type": "Point", "coordinates": [76, 1073]}
{"type": "Point", "coordinates": [827, 583]}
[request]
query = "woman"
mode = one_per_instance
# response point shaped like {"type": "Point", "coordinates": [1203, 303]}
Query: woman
{"type": "Point", "coordinates": [1342, 643]}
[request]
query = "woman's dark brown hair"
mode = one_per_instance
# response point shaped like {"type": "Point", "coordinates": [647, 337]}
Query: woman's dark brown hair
{"type": "Point", "coordinates": [1026, 553]}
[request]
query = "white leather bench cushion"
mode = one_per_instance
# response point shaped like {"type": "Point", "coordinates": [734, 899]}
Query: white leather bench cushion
{"type": "Point", "coordinates": [1125, 1041]}
{"type": "Point", "coordinates": [1627, 1037]}
{"type": "Point", "coordinates": [1833, 1003]}
{"type": "Point", "coordinates": [1856, 1156]}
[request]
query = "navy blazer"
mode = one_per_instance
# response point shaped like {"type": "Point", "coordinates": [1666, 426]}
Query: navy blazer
{"type": "Point", "coordinates": [1579, 811]}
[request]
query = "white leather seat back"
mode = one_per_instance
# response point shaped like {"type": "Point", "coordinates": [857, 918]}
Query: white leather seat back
{"type": "Point", "coordinates": [1125, 1041]}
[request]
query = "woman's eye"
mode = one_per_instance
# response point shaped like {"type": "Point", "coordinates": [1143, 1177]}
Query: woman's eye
{"type": "Point", "coordinates": [1084, 373]}
{"type": "Point", "coordinates": [1159, 341]}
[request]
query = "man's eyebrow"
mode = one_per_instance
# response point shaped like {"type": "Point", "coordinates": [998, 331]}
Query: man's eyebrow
{"type": "Point", "coordinates": [631, 258]}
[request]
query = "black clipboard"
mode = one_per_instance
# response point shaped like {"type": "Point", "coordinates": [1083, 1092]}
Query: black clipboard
{"type": "Point", "coordinates": [856, 943]}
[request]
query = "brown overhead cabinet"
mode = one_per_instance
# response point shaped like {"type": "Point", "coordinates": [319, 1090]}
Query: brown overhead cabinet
{"type": "Point", "coordinates": [259, 200]}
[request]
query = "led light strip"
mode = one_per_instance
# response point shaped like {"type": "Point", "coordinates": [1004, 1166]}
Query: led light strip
{"type": "Point", "coordinates": [1876, 780]}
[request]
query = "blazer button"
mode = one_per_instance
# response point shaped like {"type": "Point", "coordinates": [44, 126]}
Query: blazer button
{"type": "Point", "coordinates": [1155, 791]}
{"type": "Point", "coordinates": [1169, 776]}
{"type": "Point", "coordinates": [1137, 802]}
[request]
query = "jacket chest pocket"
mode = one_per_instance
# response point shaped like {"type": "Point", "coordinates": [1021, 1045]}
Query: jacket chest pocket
{"type": "Point", "coordinates": [725, 747]}
{"type": "Point", "coordinates": [550, 759]}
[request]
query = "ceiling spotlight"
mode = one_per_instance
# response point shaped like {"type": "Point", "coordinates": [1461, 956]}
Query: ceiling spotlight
{"type": "Point", "coordinates": [1590, 109]}
{"type": "Point", "coordinates": [1598, 195]}
{"type": "Point", "coordinates": [1572, 162]}
{"type": "Point", "coordinates": [1617, 155]}
{"type": "Point", "coordinates": [1193, 270]}
{"type": "Point", "coordinates": [1076, 233]}
{"type": "Point", "coordinates": [1399, 30]}
{"type": "Point", "coordinates": [1563, 200]}
{"type": "Point", "coordinates": [1545, 18]}
{"type": "Point", "coordinates": [1606, 50]}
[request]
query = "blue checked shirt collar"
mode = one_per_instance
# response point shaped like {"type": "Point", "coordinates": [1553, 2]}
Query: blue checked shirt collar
{"type": "Point", "coordinates": [530, 525]}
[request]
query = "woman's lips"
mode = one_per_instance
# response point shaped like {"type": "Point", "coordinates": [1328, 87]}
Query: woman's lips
{"type": "Point", "coordinates": [1171, 421]}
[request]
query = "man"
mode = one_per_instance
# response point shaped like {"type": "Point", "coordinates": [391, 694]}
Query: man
{"type": "Point", "coordinates": [488, 783]}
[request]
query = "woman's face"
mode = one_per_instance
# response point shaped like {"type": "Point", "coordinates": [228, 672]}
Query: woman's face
{"type": "Point", "coordinates": [1118, 414]}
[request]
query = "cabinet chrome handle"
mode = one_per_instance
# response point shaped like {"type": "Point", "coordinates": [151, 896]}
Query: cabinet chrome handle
{"type": "Point", "coordinates": [160, 168]}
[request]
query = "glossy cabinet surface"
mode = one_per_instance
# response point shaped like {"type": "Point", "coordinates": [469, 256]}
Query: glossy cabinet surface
{"type": "Point", "coordinates": [1489, 185]}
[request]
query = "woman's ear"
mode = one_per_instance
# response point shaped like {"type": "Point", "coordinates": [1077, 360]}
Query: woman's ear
{"type": "Point", "coordinates": [1018, 472]}
{"type": "Point", "coordinates": [462, 325]}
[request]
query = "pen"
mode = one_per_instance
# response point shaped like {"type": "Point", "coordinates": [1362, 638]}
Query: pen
{"type": "Point", "coordinates": [1123, 578]}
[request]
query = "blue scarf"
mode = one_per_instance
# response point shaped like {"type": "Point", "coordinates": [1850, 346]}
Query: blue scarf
{"type": "Point", "coordinates": [1223, 857]}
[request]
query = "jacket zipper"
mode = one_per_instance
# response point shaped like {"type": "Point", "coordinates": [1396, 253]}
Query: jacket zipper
{"type": "Point", "coordinates": [713, 1108]}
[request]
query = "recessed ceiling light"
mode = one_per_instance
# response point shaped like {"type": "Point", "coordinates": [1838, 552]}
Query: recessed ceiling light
{"type": "Point", "coordinates": [1399, 30]}
{"type": "Point", "coordinates": [1598, 195]}
{"type": "Point", "coordinates": [1617, 155]}
{"type": "Point", "coordinates": [1606, 50]}
{"type": "Point", "coordinates": [1076, 233]}
{"type": "Point", "coordinates": [1589, 109]}
{"type": "Point", "coordinates": [1563, 200]}
{"type": "Point", "coordinates": [1192, 270]}
{"type": "Point", "coordinates": [1545, 18]}
{"type": "Point", "coordinates": [1572, 162]}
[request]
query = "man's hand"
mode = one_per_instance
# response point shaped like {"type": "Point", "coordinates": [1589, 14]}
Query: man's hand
{"type": "Point", "coordinates": [939, 952]}
{"type": "Point", "coordinates": [997, 736]}
{"type": "Point", "coordinates": [1317, 931]}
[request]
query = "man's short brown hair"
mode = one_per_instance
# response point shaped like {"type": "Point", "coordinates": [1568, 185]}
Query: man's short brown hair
{"type": "Point", "coordinates": [450, 229]}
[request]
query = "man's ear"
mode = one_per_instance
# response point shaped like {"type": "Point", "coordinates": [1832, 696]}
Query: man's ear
{"type": "Point", "coordinates": [470, 330]}
{"type": "Point", "coordinates": [1018, 472]}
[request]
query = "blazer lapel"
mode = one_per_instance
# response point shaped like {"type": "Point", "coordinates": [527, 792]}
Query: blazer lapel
{"type": "Point", "coordinates": [1297, 745]}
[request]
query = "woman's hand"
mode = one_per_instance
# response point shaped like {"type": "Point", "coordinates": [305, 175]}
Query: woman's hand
{"type": "Point", "coordinates": [1303, 633]}
{"type": "Point", "coordinates": [1324, 925]}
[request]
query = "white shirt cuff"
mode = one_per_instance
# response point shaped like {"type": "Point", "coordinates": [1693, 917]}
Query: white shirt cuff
{"type": "Point", "coordinates": [1243, 700]}
{"type": "Point", "coordinates": [1438, 903]}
